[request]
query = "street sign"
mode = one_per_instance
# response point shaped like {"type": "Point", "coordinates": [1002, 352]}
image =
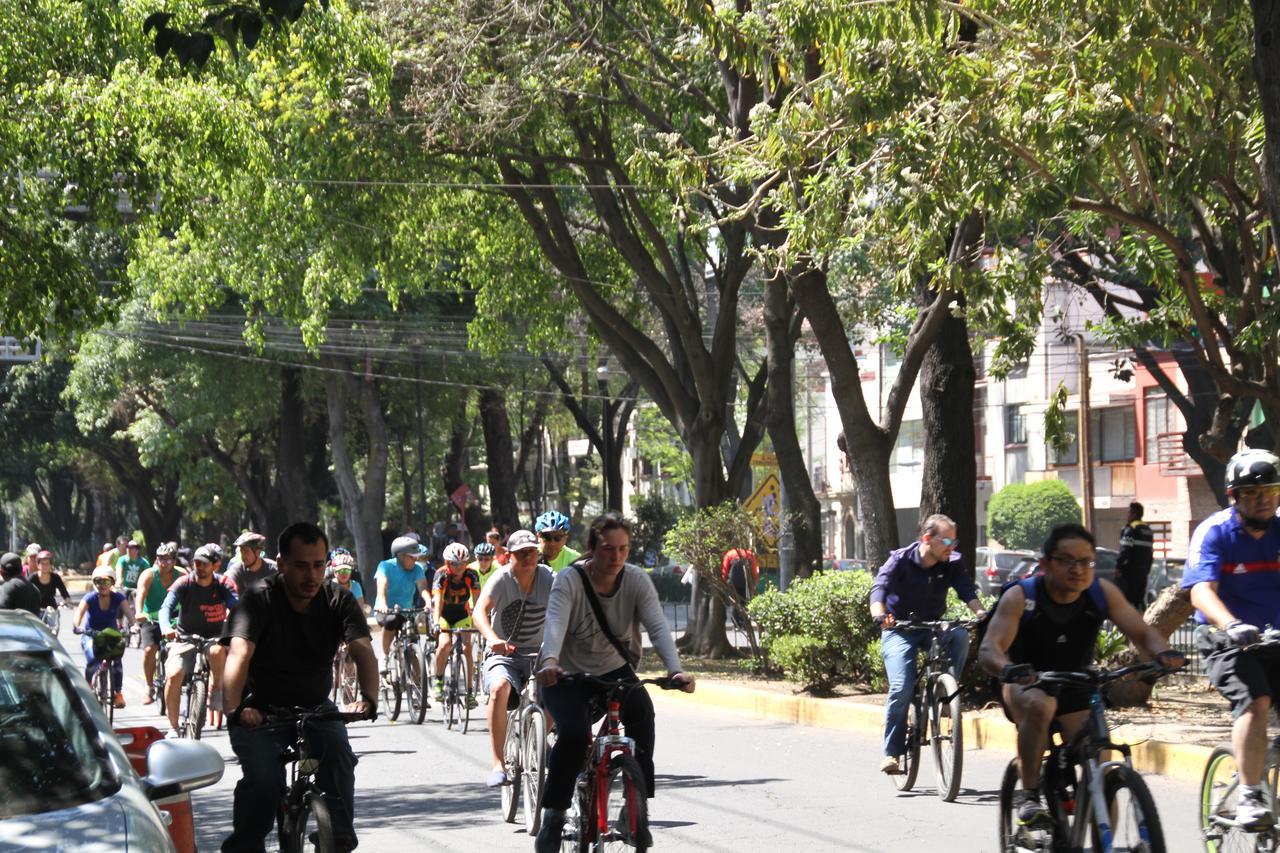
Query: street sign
{"type": "Point", "coordinates": [764, 459]}
{"type": "Point", "coordinates": [461, 497]}
{"type": "Point", "coordinates": [766, 500]}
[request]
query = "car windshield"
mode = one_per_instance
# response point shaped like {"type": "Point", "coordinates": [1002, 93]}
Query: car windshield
{"type": "Point", "coordinates": [51, 756]}
{"type": "Point", "coordinates": [1008, 561]}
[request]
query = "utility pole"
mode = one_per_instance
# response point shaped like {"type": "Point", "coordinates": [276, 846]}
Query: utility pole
{"type": "Point", "coordinates": [422, 453]}
{"type": "Point", "coordinates": [1084, 451]}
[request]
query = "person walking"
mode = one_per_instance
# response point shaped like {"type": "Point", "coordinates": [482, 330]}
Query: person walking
{"type": "Point", "coordinates": [1133, 564]}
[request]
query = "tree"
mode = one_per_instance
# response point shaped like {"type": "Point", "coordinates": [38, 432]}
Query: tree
{"type": "Point", "coordinates": [1021, 514]}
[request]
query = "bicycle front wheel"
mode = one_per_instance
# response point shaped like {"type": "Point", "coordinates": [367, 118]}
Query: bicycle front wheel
{"type": "Point", "coordinates": [948, 736]}
{"type": "Point", "coordinates": [308, 829]}
{"type": "Point", "coordinates": [102, 689]}
{"type": "Point", "coordinates": [1219, 795]}
{"type": "Point", "coordinates": [579, 820]}
{"type": "Point", "coordinates": [415, 705]}
{"type": "Point", "coordinates": [466, 697]}
{"type": "Point", "coordinates": [393, 686]}
{"type": "Point", "coordinates": [626, 809]}
{"type": "Point", "coordinates": [911, 758]}
{"type": "Point", "coordinates": [197, 699]}
{"type": "Point", "coordinates": [1135, 825]}
{"type": "Point", "coordinates": [511, 754]}
{"type": "Point", "coordinates": [534, 766]}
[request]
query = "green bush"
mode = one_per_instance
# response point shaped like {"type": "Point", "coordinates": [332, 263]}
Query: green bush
{"type": "Point", "coordinates": [808, 660]}
{"type": "Point", "coordinates": [1021, 514]}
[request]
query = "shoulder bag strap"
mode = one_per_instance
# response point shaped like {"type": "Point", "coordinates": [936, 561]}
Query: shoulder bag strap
{"type": "Point", "coordinates": [594, 600]}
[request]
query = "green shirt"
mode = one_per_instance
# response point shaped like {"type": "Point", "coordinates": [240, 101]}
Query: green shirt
{"type": "Point", "coordinates": [566, 556]}
{"type": "Point", "coordinates": [157, 592]}
{"type": "Point", "coordinates": [130, 570]}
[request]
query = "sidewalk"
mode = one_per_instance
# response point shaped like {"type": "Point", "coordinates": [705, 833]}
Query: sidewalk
{"type": "Point", "coordinates": [1172, 738]}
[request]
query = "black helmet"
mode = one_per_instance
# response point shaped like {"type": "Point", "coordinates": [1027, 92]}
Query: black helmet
{"type": "Point", "coordinates": [1253, 467]}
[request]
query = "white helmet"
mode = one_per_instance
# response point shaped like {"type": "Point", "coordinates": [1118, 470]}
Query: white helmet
{"type": "Point", "coordinates": [104, 572]}
{"type": "Point", "coordinates": [455, 552]}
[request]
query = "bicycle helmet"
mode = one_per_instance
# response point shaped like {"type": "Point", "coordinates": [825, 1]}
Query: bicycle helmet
{"type": "Point", "coordinates": [404, 545]}
{"type": "Point", "coordinates": [484, 549]}
{"type": "Point", "coordinates": [455, 552]}
{"type": "Point", "coordinates": [551, 520]}
{"type": "Point", "coordinates": [103, 572]}
{"type": "Point", "coordinates": [343, 562]}
{"type": "Point", "coordinates": [1253, 467]}
{"type": "Point", "coordinates": [167, 549]}
{"type": "Point", "coordinates": [338, 552]}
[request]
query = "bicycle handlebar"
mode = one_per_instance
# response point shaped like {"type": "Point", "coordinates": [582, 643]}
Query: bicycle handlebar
{"type": "Point", "coordinates": [666, 682]}
{"type": "Point", "coordinates": [936, 624]}
{"type": "Point", "coordinates": [281, 715]}
{"type": "Point", "coordinates": [1096, 678]}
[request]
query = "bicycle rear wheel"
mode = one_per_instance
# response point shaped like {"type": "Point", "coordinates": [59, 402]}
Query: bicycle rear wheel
{"type": "Point", "coordinates": [533, 763]}
{"type": "Point", "coordinates": [948, 736]}
{"type": "Point", "coordinates": [626, 807]}
{"type": "Point", "coordinates": [911, 758]}
{"type": "Point", "coordinates": [1135, 823]}
{"type": "Point", "coordinates": [157, 683]}
{"type": "Point", "coordinates": [466, 697]}
{"type": "Point", "coordinates": [511, 754]}
{"type": "Point", "coordinates": [451, 698]}
{"type": "Point", "coordinates": [197, 698]}
{"type": "Point", "coordinates": [102, 690]}
{"type": "Point", "coordinates": [415, 706]}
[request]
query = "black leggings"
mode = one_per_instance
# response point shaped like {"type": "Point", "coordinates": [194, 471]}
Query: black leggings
{"type": "Point", "coordinates": [570, 705]}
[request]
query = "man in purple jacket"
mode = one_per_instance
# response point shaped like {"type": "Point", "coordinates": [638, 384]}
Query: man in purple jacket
{"type": "Point", "coordinates": [912, 586]}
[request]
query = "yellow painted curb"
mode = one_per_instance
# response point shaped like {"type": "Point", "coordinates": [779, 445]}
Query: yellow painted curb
{"type": "Point", "coordinates": [982, 729]}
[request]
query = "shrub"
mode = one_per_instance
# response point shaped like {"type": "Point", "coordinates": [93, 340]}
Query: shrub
{"type": "Point", "coordinates": [808, 660]}
{"type": "Point", "coordinates": [1021, 514]}
{"type": "Point", "coordinates": [669, 587]}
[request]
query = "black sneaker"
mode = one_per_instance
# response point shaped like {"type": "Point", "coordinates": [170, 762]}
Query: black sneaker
{"type": "Point", "coordinates": [551, 833]}
{"type": "Point", "coordinates": [1032, 814]}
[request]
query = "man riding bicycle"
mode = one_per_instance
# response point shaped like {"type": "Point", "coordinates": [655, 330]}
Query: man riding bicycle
{"type": "Point", "coordinates": [1050, 622]}
{"type": "Point", "coordinates": [153, 586]}
{"type": "Point", "coordinates": [553, 530]}
{"type": "Point", "coordinates": [912, 585]}
{"type": "Point", "coordinates": [1233, 572]}
{"type": "Point", "coordinates": [249, 567]}
{"type": "Point", "coordinates": [484, 564]}
{"type": "Point", "coordinates": [129, 568]}
{"type": "Point", "coordinates": [454, 589]}
{"type": "Point", "coordinates": [203, 600]}
{"type": "Point", "coordinates": [283, 638]}
{"type": "Point", "coordinates": [510, 614]}
{"type": "Point", "coordinates": [400, 582]}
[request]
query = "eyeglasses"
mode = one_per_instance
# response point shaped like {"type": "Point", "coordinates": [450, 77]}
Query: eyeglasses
{"type": "Point", "coordinates": [1253, 493]}
{"type": "Point", "coordinates": [553, 537]}
{"type": "Point", "coordinates": [948, 541]}
{"type": "Point", "coordinates": [343, 573]}
{"type": "Point", "coordinates": [1064, 562]}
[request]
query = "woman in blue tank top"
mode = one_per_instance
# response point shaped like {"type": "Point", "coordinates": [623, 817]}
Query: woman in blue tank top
{"type": "Point", "coordinates": [101, 609]}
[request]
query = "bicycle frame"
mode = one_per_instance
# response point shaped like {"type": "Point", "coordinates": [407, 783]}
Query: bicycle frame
{"type": "Point", "coordinates": [607, 742]}
{"type": "Point", "coordinates": [1085, 749]}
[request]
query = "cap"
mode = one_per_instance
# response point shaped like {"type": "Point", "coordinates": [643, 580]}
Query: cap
{"type": "Point", "coordinates": [133, 543]}
{"type": "Point", "coordinates": [249, 538]}
{"type": "Point", "coordinates": [207, 554]}
{"type": "Point", "coordinates": [44, 555]}
{"type": "Point", "coordinates": [404, 545]}
{"type": "Point", "coordinates": [33, 549]}
{"type": "Point", "coordinates": [10, 564]}
{"type": "Point", "coordinates": [521, 539]}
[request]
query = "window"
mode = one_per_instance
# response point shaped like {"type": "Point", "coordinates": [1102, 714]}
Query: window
{"type": "Point", "coordinates": [1015, 425]}
{"type": "Point", "coordinates": [909, 449]}
{"type": "Point", "coordinates": [1112, 433]}
{"type": "Point", "coordinates": [1157, 418]}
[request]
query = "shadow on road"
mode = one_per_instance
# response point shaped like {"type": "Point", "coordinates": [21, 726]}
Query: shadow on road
{"type": "Point", "coordinates": [667, 780]}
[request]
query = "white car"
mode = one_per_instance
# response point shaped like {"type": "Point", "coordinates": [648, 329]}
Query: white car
{"type": "Point", "coordinates": [65, 782]}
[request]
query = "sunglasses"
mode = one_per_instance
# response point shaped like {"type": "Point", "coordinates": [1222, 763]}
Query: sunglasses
{"type": "Point", "coordinates": [1252, 493]}
{"type": "Point", "coordinates": [948, 541]}
{"type": "Point", "coordinates": [553, 537]}
{"type": "Point", "coordinates": [102, 582]}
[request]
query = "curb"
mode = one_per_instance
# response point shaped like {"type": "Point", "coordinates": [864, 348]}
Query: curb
{"type": "Point", "coordinates": [982, 729]}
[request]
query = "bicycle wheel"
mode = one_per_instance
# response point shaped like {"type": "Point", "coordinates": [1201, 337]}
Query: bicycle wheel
{"type": "Point", "coordinates": [467, 696]}
{"type": "Point", "coordinates": [451, 699]}
{"type": "Point", "coordinates": [1219, 793]}
{"type": "Point", "coordinates": [349, 687]}
{"type": "Point", "coordinates": [157, 683]}
{"type": "Point", "coordinates": [626, 807]}
{"type": "Point", "coordinates": [197, 698]}
{"type": "Point", "coordinates": [911, 758]}
{"type": "Point", "coordinates": [392, 686]}
{"type": "Point", "coordinates": [512, 752]}
{"type": "Point", "coordinates": [308, 827]}
{"type": "Point", "coordinates": [1135, 824]}
{"type": "Point", "coordinates": [1008, 831]}
{"type": "Point", "coordinates": [412, 677]}
{"type": "Point", "coordinates": [948, 736]}
{"type": "Point", "coordinates": [579, 819]}
{"type": "Point", "coordinates": [533, 764]}
{"type": "Point", "coordinates": [102, 690]}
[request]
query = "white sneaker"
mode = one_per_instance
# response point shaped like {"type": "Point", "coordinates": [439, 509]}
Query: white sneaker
{"type": "Point", "coordinates": [173, 734]}
{"type": "Point", "coordinates": [1253, 811]}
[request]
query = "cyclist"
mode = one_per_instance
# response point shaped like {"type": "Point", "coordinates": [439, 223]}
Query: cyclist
{"type": "Point", "coordinates": [283, 638]}
{"type": "Point", "coordinates": [553, 529]}
{"type": "Point", "coordinates": [108, 555]}
{"type": "Point", "coordinates": [203, 600]}
{"type": "Point", "coordinates": [105, 609]}
{"type": "Point", "coordinates": [16, 592]}
{"type": "Point", "coordinates": [341, 571]}
{"type": "Point", "coordinates": [249, 566]}
{"type": "Point", "coordinates": [575, 641]}
{"type": "Point", "coordinates": [400, 582]}
{"type": "Point", "coordinates": [485, 562]}
{"type": "Point", "coordinates": [129, 568]}
{"type": "Point", "coordinates": [153, 586]}
{"type": "Point", "coordinates": [912, 585]}
{"type": "Point", "coordinates": [455, 588]}
{"type": "Point", "coordinates": [49, 582]}
{"type": "Point", "coordinates": [1233, 573]}
{"type": "Point", "coordinates": [30, 555]}
{"type": "Point", "coordinates": [1051, 622]}
{"type": "Point", "coordinates": [510, 613]}
{"type": "Point", "coordinates": [500, 554]}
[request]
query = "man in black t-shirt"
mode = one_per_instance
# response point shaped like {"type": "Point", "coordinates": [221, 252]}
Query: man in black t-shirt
{"type": "Point", "coordinates": [15, 592]}
{"type": "Point", "coordinates": [283, 638]}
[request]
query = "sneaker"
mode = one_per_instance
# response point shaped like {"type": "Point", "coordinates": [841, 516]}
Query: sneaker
{"type": "Point", "coordinates": [118, 700]}
{"type": "Point", "coordinates": [471, 701]}
{"type": "Point", "coordinates": [496, 778]}
{"type": "Point", "coordinates": [1253, 811]}
{"type": "Point", "coordinates": [173, 734]}
{"type": "Point", "coordinates": [551, 833]}
{"type": "Point", "coordinates": [439, 692]}
{"type": "Point", "coordinates": [890, 767]}
{"type": "Point", "coordinates": [344, 843]}
{"type": "Point", "coordinates": [1031, 812]}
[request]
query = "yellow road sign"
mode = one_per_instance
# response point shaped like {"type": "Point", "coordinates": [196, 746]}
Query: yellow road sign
{"type": "Point", "coordinates": [767, 501]}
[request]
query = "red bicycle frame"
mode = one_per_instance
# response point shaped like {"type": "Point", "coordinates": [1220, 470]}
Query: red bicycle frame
{"type": "Point", "coordinates": [608, 742]}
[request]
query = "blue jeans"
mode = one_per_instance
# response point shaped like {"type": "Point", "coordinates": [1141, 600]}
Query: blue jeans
{"type": "Point", "coordinates": [257, 796]}
{"type": "Point", "coordinates": [91, 664]}
{"type": "Point", "coordinates": [899, 648]}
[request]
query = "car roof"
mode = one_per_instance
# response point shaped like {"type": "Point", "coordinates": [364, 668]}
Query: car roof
{"type": "Point", "coordinates": [22, 632]}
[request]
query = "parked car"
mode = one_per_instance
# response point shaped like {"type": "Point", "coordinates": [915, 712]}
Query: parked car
{"type": "Point", "coordinates": [992, 567]}
{"type": "Point", "coordinates": [1104, 565]}
{"type": "Point", "coordinates": [65, 781]}
{"type": "Point", "coordinates": [831, 564]}
{"type": "Point", "coordinates": [1165, 571]}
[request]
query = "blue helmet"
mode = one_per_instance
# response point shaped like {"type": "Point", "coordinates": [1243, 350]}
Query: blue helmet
{"type": "Point", "coordinates": [484, 549]}
{"type": "Point", "coordinates": [551, 520]}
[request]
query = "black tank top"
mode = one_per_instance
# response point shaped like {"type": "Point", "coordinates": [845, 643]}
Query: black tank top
{"type": "Point", "coordinates": [1054, 636]}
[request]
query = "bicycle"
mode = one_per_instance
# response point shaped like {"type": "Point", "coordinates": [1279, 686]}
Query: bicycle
{"type": "Point", "coordinates": [195, 688]}
{"type": "Point", "coordinates": [51, 618]}
{"type": "Point", "coordinates": [158, 677]}
{"type": "Point", "coordinates": [477, 672]}
{"type": "Point", "coordinates": [458, 695]}
{"type": "Point", "coordinates": [406, 668]}
{"type": "Point", "coordinates": [934, 715]}
{"type": "Point", "coordinates": [1109, 800]}
{"type": "Point", "coordinates": [611, 782]}
{"type": "Point", "coordinates": [524, 752]}
{"type": "Point", "coordinates": [1219, 790]}
{"type": "Point", "coordinates": [304, 813]}
{"type": "Point", "coordinates": [100, 682]}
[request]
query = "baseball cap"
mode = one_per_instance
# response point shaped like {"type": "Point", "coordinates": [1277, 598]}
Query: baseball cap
{"type": "Point", "coordinates": [249, 538]}
{"type": "Point", "coordinates": [521, 540]}
{"type": "Point", "coordinates": [207, 554]}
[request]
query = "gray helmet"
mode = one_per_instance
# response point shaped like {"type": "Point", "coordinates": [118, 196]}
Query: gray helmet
{"type": "Point", "coordinates": [404, 545]}
{"type": "Point", "coordinates": [1253, 467]}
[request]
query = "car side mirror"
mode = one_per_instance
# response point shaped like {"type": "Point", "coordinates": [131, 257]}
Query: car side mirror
{"type": "Point", "coordinates": [178, 766]}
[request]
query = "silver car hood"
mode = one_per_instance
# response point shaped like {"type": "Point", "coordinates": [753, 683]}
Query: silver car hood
{"type": "Point", "coordinates": [123, 822]}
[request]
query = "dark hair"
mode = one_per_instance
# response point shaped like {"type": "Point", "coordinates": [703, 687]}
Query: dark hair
{"type": "Point", "coordinates": [934, 522]}
{"type": "Point", "coordinates": [1070, 530]}
{"type": "Point", "coordinates": [603, 524]}
{"type": "Point", "coordinates": [1137, 509]}
{"type": "Point", "coordinates": [305, 531]}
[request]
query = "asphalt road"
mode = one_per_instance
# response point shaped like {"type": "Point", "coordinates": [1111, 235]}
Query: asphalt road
{"type": "Point", "coordinates": [726, 782]}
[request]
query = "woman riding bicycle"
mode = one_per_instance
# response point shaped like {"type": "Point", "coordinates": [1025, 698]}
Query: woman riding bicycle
{"type": "Point", "coordinates": [106, 610]}
{"type": "Point", "coordinates": [576, 641]}
{"type": "Point", "coordinates": [49, 583]}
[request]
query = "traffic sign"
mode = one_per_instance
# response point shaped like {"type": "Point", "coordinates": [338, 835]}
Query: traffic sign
{"type": "Point", "coordinates": [766, 500]}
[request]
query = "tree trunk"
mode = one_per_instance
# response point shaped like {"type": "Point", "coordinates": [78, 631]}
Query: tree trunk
{"type": "Point", "coordinates": [363, 504]}
{"type": "Point", "coordinates": [453, 474]}
{"type": "Point", "coordinates": [501, 458]}
{"type": "Point", "coordinates": [294, 486]}
{"type": "Point", "coordinates": [1266, 71]}
{"type": "Point", "coordinates": [705, 634]}
{"type": "Point", "coordinates": [780, 323]}
{"type": "Point", "coordinates": [950, 469]}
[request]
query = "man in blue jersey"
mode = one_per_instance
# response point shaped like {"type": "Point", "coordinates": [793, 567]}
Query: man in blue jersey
{"type": "Point", "coordinates": [1233, 572]}
{"type": "Point", "coordinates": [402, 583]}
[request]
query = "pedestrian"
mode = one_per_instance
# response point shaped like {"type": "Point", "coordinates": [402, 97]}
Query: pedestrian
{"type": "Point", "coordinates": [17, 593]}
{"type": "Point", "coordinates": [1133, 564]}
{"type": "Point", "coordinates": [741, 571]}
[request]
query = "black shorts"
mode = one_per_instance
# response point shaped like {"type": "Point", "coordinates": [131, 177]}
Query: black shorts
{"type": "Point", "coordinates": [150, 633]}
{"type": "Point", "coordinates": [1240, 676]}
{"type": "Point", "coordinates": [1070, 699]}
{"type": "Point", "coordinates": [390, 620]}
